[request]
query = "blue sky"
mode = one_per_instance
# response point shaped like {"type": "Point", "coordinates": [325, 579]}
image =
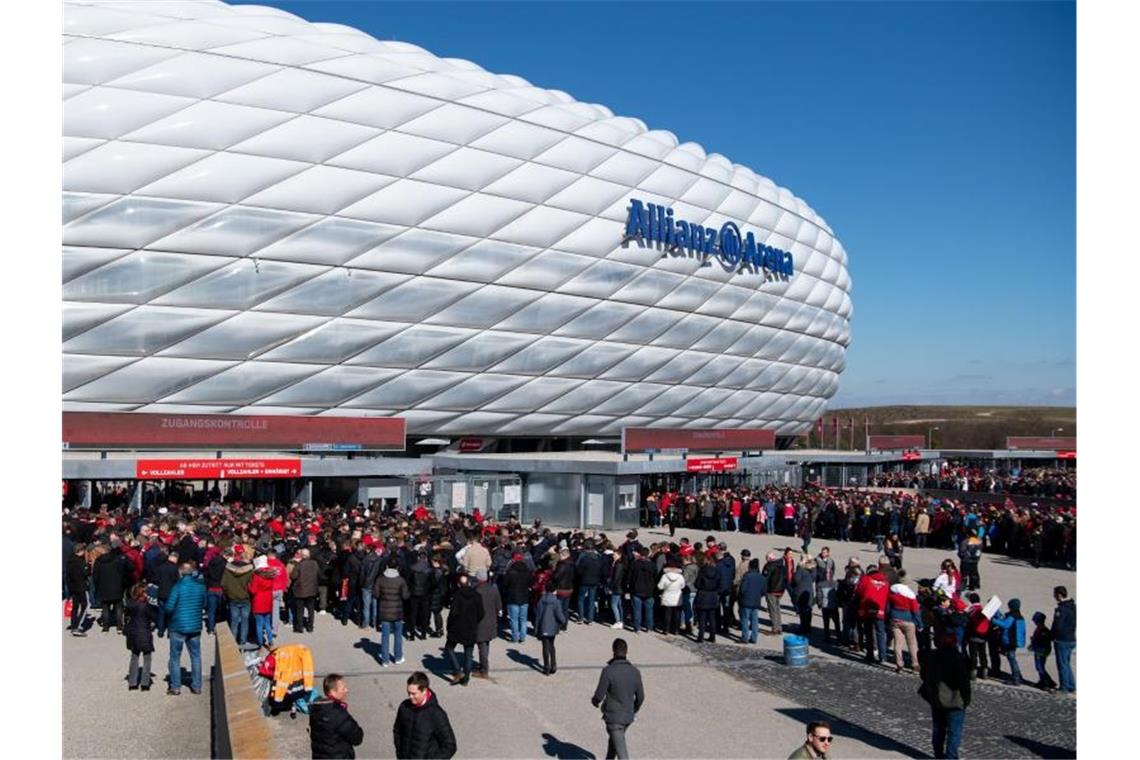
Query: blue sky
{"type": "Point", "coordinates": [937, 139]}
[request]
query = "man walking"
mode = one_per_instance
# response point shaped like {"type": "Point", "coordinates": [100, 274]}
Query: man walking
{"type": "Point", "coordinates": [488, 627]}
{"type": "Point", "coordinates": [1064, 638]}
{"type": "Point", "coordinates": [945, 686]}
{"type": "Point", "coordinates": [422, 728]}
{"type": "Point", "coordinates": [620, 695]}
{"type": "Point", "coordinates": [185, 606]}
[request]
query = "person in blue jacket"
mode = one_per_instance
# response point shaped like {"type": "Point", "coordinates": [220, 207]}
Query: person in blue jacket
{"type": "Point", "coordinates": [184, 606]}
{"type": "Point", "coordinates": [1012, 627]}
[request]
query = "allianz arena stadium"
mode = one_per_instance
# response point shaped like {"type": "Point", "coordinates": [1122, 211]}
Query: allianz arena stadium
{"type": "Point", "coordinates": [268, 216]}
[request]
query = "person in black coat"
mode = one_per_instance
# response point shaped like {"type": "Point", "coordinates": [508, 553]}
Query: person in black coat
{"type": "Point", "coordinates": [350, 565]}
{"type": "Point", "coordinates": [422, 729]}
{"type": "Point", "coordinates": [706, 601]}
{"type": "Point", "coordinates": [462, 628]}
{"type": "Point", "coordinates": [642, 587]}
{"type": "Point", "coordinates": [165, 576]}
{"type": "Point", "coordinates": [77, 588]}
{"type": "Point", "coordinates": [140, 618]}
{"type": "Point", "coordinates": [110, 574]}
{"type": "Point", "coordinates": [332, 731]}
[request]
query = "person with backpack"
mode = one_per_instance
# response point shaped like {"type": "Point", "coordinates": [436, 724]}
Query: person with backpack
{"type": "Point", "coordinates": [1010, 628]}
{"type": "Point", "coordinates": [945, 687]}
{"type": "Point", "coordinates": [1041, 644]}
{"type": "Point", "coordinates": [970, 554]}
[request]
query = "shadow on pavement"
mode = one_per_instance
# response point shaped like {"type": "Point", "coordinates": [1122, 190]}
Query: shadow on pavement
{"type": "Point", "coordinates": [437, 665]}
{"type": "Point", "coordinates": [556, 748]}
{"type": "Point", "coordinates": [524, 659]}
{"type": "Point", "coordinates": [841, 727]}
{"type": "Point", "coordinates": [370, 647]}
{"type": "Point", "coordinates": [1039, 749]}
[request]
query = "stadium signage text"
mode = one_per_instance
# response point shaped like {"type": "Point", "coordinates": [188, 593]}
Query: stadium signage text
{"type": "Point", "coordinates": [651, 222]}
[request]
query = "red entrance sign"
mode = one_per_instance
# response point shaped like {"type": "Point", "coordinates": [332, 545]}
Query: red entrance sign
{"type": "Point", "coordinates": [470, 444]}
{"type": "Point", "coordinates": [887, 442]}
{"type": "Point", "coordinates": [1066, 455]}
{"type": "Point", "coordinates": [711, 464]}
{"type": "Point", "coordinates": [911, 456]}
{"type": "Point", "coordinates": [216, 469]}
{"type": "Point", "coordinates": [140, 430]}
{"type": "Point", "coordinates": [1041, 444]}
{"type": "Point", "coordinates": [737, 439]}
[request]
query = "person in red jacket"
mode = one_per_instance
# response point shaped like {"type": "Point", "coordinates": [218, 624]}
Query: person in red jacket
{"type": "Point", "coordinates": [261, 599]}
{"type": "Point", "coordinates": [872, 594]}
{"type": "Point", "coordinates": [280, 587]}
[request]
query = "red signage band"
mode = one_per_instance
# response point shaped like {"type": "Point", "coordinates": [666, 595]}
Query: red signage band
{"type": "Point", "coordinates": [1041, 443]}
{"type": "Point", "coordinates": [216, 469]}
{"type": "Point", "coordinates": [470, 444]}
{"type": "Point", "coordinates": [140, 430]}
{"type": "Point", "coordinates": [911, 456]}
{"type": "Point", "coordinates": [1066, 455]}
{"type": "Point", "coordinates": [883, 442]}
{"type": "Point", "coordinates": [642, 439]}
{"type": "Point", "coordinates": [711, 464]}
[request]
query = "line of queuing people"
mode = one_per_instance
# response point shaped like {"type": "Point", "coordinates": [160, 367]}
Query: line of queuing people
{"type": "Point", "coordinates": [397, 573]}
{"type": "Point", "coordinates": [1038, 533]}
{"type": "Point", "coordinates": [1038, 482]}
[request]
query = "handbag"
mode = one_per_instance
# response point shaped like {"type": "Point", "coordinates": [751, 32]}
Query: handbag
{"type": "Point", "coordinates": [67, 607]}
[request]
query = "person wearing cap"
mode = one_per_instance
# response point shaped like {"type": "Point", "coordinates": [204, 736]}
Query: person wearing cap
{"type": "Point", "coordinates": [261, 599]}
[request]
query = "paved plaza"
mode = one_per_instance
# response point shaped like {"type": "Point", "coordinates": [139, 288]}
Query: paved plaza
{"type": "Point", "coordinates": [725, 700]}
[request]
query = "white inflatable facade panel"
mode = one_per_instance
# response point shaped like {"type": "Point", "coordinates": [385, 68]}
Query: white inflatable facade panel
{"type": "Point", "coordinates": [266, 215]}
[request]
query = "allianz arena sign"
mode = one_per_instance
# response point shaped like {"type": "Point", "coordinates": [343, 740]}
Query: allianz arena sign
{"type": "Point", "coordinates": [652, 222]}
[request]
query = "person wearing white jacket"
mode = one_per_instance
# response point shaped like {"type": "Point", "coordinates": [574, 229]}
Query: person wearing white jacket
{"type": "Point", "coordinates": [671, 585]}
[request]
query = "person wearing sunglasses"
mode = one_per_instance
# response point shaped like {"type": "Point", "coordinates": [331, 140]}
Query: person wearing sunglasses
{"type": "Point", "coordinates": [817, 743]}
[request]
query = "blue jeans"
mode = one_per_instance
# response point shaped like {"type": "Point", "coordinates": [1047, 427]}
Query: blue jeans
{"type": "Point", "coordinates": [565, 602]}
{"type": "Point", "coordinates": [1063, 651]}
{"type": "Point", "coordinates": [876, 629]}
{"type": "Point", "coordinates": [769, 525]}
{"type": "Point", "coordinates": [749, 624]}
{"type": "Point", "coordinates": [367, 608]}
{"type": "Point", "coordinates": [239, 621]}
{"type": "Point", "coordinates": [387, 628]}
{"type": "Point", "coordinates": [586, 602]}
{"type": "Point", "coordinates": [263, 628]}
{"type": "Point", "coordinates": [947, 731]}
{"type": "Point", "coordinates": [516, 613]}
{"type": "Point", "coordinates": [193, 643]}
{"type": "Point", "coordinates": [1014, 668]}
{"type": "Point", "coordinates": [214, 600]}
{"type": "Point", "coordinates": [686, 607]}
{"type": "Point", "coordinates": [639, 604]}
{"type": "Point", "coordinates": [278, 603]}
{"type": "Point", "coordinates": [615, 607]}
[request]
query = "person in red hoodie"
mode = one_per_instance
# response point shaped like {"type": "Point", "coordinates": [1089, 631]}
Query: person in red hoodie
{"type": "Point", "coordinates": [873, 594]}
{"type": "Point", "coordinates": [261, 599]}
{"type": "Point", "coordinates": [280, 586]}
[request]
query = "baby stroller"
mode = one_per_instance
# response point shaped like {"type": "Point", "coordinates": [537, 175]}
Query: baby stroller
{"type": "Point", "coordinates": [283, 678]}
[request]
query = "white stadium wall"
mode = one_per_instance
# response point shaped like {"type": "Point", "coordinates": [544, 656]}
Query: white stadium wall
{"type": "Point", "coordinates": [266, 215]}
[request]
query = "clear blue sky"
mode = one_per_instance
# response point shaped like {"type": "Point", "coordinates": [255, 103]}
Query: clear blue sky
{"type": "Point", "coordinates": [937, 139]}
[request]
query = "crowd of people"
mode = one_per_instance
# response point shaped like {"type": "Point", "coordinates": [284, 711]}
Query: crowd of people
{"type": "Point", "coordinates": [1037, 482]}
{"type": "Point", "coordinates": [176, 570]}
{"type": "Point", "coordinates": [1041, 534]}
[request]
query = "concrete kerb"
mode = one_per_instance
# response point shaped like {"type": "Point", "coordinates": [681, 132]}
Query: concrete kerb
{"type": "Point", "coordinates": [241, 728]}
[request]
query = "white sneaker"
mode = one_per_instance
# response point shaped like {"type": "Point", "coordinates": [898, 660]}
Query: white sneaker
{"type": "Point", "coordinates": [615, 626]}
{"type": "Point", "coordinates": [322, 612]}
{"type": "Point", "coordinates": [384, 663]}
{"type": "Point", "coordinates": [399, 661]}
